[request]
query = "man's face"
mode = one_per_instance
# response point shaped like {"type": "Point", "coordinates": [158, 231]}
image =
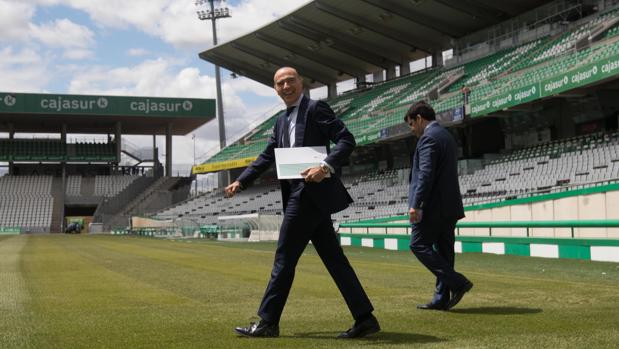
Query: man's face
{"type": "Point", "coordinates": [288, 85]}
{"type": "Point", "coordinates": [415, 125]}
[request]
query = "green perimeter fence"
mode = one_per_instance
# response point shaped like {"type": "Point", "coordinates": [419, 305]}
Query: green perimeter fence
{"type": "Point", "coordinates": [390, 235]}
{"type": "Point", "coordinates": [391, 227]}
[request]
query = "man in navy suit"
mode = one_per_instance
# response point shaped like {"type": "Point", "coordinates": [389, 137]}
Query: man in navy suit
{"type": "Point", "coordinates": [435, 205]}
{"type": "Point", "coordinates": [308, 204]}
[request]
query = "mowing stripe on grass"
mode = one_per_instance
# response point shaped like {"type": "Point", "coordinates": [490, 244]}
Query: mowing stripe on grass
{"type": "Point", "coordinates": [122, 292]}
{"type": "Point", "coordinates": [13, 295]}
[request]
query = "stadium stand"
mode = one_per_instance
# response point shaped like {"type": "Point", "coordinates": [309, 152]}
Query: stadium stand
{"type": "Point", "coordinates": [54, 150]}
{"type": "Point", "coordinates": [109, 186]}
{"type": "Point", "coordinates": [583, 161]}
{"type": "Point", "coordinates": [579, 160]}
{"type": "Point", "coordinates": [368, 110]}
{"type": "Point", "coordinates": [91, 152]}
{"type": "Point", "coordinates": [26, 202]}
{"type": "Point", "coordinates": [567, 41]}
{"type": "Point", "coordinates": [74, 185]}
{"type": "Point", "coordinates": [505, 172]}
{"type": "Point", "coordinates": [205, 209]}
{"type": "Point", "coordinates": [519, 170]}
{"type": "Point", "coordinates": [35, 203]}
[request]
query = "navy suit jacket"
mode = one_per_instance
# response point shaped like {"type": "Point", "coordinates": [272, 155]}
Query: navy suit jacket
{"type": "Point", "coordinates": [316, 126]}
{"type": "Point", "coordinates": [434, 186]}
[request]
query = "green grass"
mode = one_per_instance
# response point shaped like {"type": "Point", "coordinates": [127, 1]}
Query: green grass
{"type": "Point", "coordinates": [121, 292]}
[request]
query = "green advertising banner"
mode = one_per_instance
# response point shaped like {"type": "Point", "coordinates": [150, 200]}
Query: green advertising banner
{"type": "Point", "coordinates": [506, 100]}
{"type": "Point", "coordinates": [581, 76]}
{"type": "Point", "coordinates": [560, 83]}
{"type": "Point", "coordinates": [10, 230]}
{"type": "Point", "coordinates": [570, 80]}
{"type": "Point", "coordinates": [105, 105]}
{"type": "Point", "coordinates": [367, 138]}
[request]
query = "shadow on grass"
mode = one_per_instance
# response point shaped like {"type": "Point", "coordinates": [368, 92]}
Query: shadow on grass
{"type": "Point", "coordinates": [378, 338]}
{"type": "Point", "coordinates": [497, 311]}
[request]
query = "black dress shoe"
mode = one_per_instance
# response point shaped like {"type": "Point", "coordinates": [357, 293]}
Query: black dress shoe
{"type": "Point", "coordinates": [261, 329]}
{"type": "Point", "coordinates": [362, 328]}
{"type": "Point", "coordinates": [432, 306]}
{"type": "Point", "coordinates": [456, 296]}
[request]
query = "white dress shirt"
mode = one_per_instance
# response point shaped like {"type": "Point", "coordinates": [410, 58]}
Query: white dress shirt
{"type": "Point", "coordinates": [292, 123]}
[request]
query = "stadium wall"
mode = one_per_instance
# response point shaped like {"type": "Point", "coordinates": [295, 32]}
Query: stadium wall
{"type": "Point", "coordinates": [603, 250]}
{"type": "Point", "coordinates": [594, 203]}
{"type": "Point", "coordinates": [582, 224]}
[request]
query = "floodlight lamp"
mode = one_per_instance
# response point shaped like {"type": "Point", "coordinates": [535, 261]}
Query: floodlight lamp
{"type": "Point", "coordinates": [208, 10]}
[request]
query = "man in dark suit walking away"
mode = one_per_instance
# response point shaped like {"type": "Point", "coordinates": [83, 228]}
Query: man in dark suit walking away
{"type": "Point", "coordinates": [435, 205]}
{"type": "Point", "coordinates": [308, 204]}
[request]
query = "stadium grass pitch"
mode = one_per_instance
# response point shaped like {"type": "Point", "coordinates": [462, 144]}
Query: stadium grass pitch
{"type": "Point", "coordinates": [61, 291]}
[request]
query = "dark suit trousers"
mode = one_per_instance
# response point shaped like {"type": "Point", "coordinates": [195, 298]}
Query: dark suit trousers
{"type": "Point", "coordinates": [432, 242]}
{"type": "Point", "coordinates": [303, 222]}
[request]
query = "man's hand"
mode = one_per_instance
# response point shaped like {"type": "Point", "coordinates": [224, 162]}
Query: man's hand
{"type": "Point", "coordinates": [313, 174]}
{"type": "Point", "coordinates": [415, 215]}
{"type": "Point", "coordinates": [232, 189]}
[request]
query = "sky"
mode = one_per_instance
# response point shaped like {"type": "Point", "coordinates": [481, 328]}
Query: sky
{"type": "Point", "coordinates": [139, 48]}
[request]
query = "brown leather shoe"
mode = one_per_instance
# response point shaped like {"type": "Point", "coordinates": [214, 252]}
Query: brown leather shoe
{"type": "Point", "coordinates": [261, 329]}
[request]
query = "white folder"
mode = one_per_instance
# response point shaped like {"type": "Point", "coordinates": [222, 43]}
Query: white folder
{"type": "Point", "coordinates": [290, 162]}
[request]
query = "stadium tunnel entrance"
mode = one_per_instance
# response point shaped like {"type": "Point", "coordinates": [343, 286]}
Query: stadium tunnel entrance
{"type": "Point", "coordinates": [78, 218]}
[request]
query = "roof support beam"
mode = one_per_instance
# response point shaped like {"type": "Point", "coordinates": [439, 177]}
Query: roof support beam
{"type": "Point", "coordinates": [397, 36]}
{"type": "Point", "coordinates": [334, 64]}
{"type": "Point", "coordinates": [475, 10]}
{"type": "Point", "coordinates": [336, 42]}
{"type": "Point", "coordinates": [438, 26]}
{"type": "Point", "coordinates": [391, 56]}
{"type": "Point", "coordinates": [512, 8]}
{"type": "Point", "coordinates": [303, 70]}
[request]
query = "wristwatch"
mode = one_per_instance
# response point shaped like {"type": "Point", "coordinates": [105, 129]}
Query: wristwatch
{"type": "Point", "coordinates": [325, 169]}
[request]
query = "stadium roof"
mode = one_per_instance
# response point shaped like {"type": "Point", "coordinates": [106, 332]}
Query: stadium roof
{"type": "Point", "coordinates": [46, 113]}
{"type": "Point", "coordinates": [332, 41]}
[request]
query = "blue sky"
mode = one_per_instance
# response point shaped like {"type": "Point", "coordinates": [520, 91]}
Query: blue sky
{"type": "Point", "coordinates": [134, 47]}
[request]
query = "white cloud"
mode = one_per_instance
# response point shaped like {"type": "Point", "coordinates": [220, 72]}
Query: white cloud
{"type": "Point", "coordinates": [176, 21]}
{"type": "Point", "coordinates": [75, 39]}
{"type": "Point", "coordinates": [78, 54]}
{"type": "Point", "coordinates": [168, 78]}
{"type": "Point", "coordinates": [14, 19]}
{"type": "Point", "coordinates": [135, 52]}
{"type": "Point", "coordinates": [156, 77]}
{"type": "Point", "coordinates": [117, 13]}
{"type": "Point", "coordinates": [16, 27]}
{"type": "Point", "coordinates": [23, 57]}
{"type": "Point", "coordinates": [242, 84]}
{"type": "Point", "coordinates": [37, 57]}
{"type": "Point", "coordinates": [181, 27]}
{"type": "Point", "coordinates": [62, 33]}
{"type": "Point", "coordinates": [22, 71]}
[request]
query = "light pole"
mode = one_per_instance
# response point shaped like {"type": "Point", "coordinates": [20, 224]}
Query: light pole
{"type": "Point", "coordinates": [193, 138]}
{"type": "Point", "coordinates": [208, 11]}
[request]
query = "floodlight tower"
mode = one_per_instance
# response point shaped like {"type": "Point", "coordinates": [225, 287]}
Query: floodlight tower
{"type": "Point", "coordinates": [208, 11]}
